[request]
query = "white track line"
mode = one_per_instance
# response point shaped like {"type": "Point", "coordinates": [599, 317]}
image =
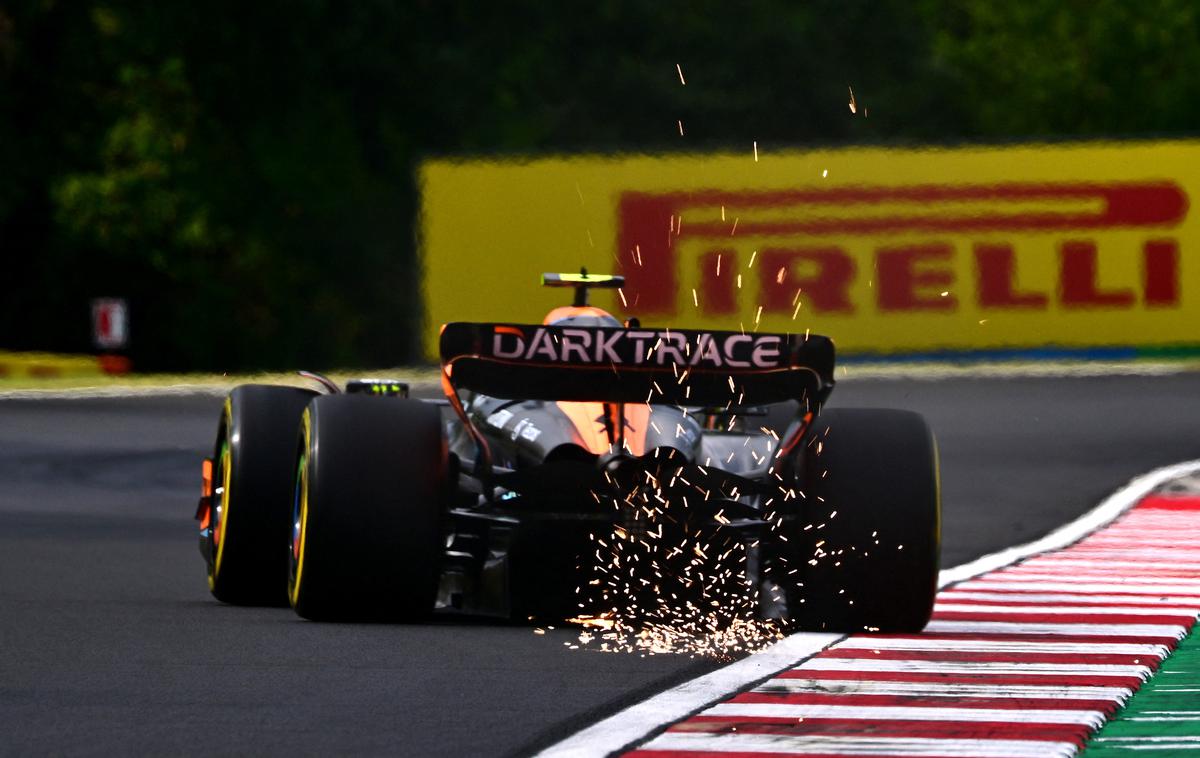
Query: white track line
{"type": "Point", "coordinates": [952, 689]}
{"type": "Point", "coordinates": [637, 722]}
{"type": "Point", "coordinates": [1066, 597]}
{"type": "Point", "coordinates": [1101, 588]}
{"type": "Point", "coordinates": [1078, 610]}
{"type": "Point", "coordinates": [867, 664]}
{"type": "Point", "coordinates": [1001, 646]}
{"type": "Point", "coordinates": [913, 746]}
{"type": "Point", "coordinates": [902, 713]}
{"type": "Point", "coordinates": [1176, 631]}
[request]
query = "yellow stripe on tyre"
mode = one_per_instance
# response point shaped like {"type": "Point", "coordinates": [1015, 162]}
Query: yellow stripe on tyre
{"type": "Point", "coordinates": [937, 484]}
{"type": "Point", "coordinates": [302, 476]}
{"type": "Point", "coordinates": [226, 478]}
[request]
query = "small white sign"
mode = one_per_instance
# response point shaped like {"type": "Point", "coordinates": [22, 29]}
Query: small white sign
{"type": "Point", "coordinates": [110, 323]}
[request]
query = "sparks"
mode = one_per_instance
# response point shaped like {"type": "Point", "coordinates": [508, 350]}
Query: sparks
{"type": "Point", "coordinates": [680, 70]}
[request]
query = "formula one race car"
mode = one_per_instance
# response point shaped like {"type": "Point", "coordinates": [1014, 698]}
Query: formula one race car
{"type": "Point", "coordinates": [564, 448]}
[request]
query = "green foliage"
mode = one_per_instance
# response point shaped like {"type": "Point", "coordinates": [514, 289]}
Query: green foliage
{"type": "Point", "coordinates": [1078, 68]}
{"type": "Point", "coordinates": [141, 202]}
{"type": "Point", "coordinates": [243, 172]}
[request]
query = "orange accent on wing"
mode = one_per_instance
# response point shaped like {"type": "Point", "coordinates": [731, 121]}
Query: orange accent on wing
{"type": "Point", "coordinates": [455, 401]}
{"type": "Point", "coordinates": [588, 419]}
{"type": "Point", "coordinates": [788, 444]}
{"type": "Point", "coordinates": [568, 311]}
{"type": "Point", "coordinates": [204, 512]}
{"type": "Point", "coordinates": [508, 330]}
{"type": "Point", "coordinates": [637, 420]}
{"type": "Point", "coordinates": [206, 488]}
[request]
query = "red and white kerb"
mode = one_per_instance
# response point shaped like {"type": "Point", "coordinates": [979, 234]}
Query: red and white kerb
{"type": "Point", "coordinates": [1026, 660]}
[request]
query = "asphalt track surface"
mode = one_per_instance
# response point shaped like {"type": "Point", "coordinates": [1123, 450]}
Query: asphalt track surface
{"type": "Point", "coordinates": [110, 643]}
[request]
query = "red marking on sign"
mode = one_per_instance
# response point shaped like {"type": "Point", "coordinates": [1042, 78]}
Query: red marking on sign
{"type": "Point", "coordinates": [912, 278]}
{"type": "Point", "coordinates": [996, 268]}
{"type": "Point", "coordinates": [717, 294]}
{"type": "Point", "coordinates": [1162, 273]}
{"type": "Point", "coordinates": [825, 282]}
{"type": "Point", "coordinates": [1079, 287]}
{"type": "Point", "coordinates": [907, 278]}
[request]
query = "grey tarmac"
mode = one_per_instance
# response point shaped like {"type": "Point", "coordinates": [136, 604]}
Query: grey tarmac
{"type": "Point", "coordinates": [110, 642]}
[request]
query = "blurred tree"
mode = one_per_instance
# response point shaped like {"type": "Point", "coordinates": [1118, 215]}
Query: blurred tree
{"type": "Point", "coordinates": [244, 171]}
{"type": "Point", "coordinates": [141, 203]}
{"type": "Point", "coordinates": [1050, 68]}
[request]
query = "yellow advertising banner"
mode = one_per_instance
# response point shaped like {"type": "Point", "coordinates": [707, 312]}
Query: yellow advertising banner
{"type": "Point", "coordinates": [1033, 250]}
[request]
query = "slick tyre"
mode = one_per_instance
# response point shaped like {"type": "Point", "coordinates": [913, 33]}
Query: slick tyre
{"type": "Point", "coordinates": [869, 560]}
{"type": "Point", "coordinates": [370, 491]}
{"type": "Point", "coordinates": [253, 476]}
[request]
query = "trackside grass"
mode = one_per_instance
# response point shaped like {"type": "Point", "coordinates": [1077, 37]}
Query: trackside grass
{"type": "Point", "coordinates": [426, 377]}
{"type": "Point", "coordinates": [1163, 718]}
{"type": "Point", "coordinates": [199, 383]}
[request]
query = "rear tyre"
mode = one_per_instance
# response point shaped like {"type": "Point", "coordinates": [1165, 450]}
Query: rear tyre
{"type": "Point", "coordinates": [253, 474]}
{"type": "Point", "coordinates": [869, 560]}
{"type": "Point", "coordinates": [370, 491]}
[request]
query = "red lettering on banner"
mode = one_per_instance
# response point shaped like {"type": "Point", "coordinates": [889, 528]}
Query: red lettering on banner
{"type": "Point", "coordinates": [996, 272]}
{"type": "Point", "coordinates": [717, 282]}
{"type": "Point", "coordinates": [1079, 262]}
{"type": "Point", "coordinates": [646, 255]}
{"type": "Point", "coordinates": [908, 278]}
{"type": "Point", "coordinates": [827, 289]}
{"type": "Point", "coordinates": [901, 278]}
{"type": "Point", "coordinates": [1161, 283]}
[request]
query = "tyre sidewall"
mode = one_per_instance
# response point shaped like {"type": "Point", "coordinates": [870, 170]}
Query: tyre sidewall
{"type": "Point", "coordinates": [376, 473]}
{"type": "Point", "coordinates": [872, 497]}
{"type": "Point", "coordinates": [259, 425]}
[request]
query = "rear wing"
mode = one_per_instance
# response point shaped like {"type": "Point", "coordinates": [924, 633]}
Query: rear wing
{"type": "Point", "coordinates": [636, 365]}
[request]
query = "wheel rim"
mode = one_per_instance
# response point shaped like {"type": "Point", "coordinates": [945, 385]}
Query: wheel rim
{"type": "Point", "coordinates": [220, 513]}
